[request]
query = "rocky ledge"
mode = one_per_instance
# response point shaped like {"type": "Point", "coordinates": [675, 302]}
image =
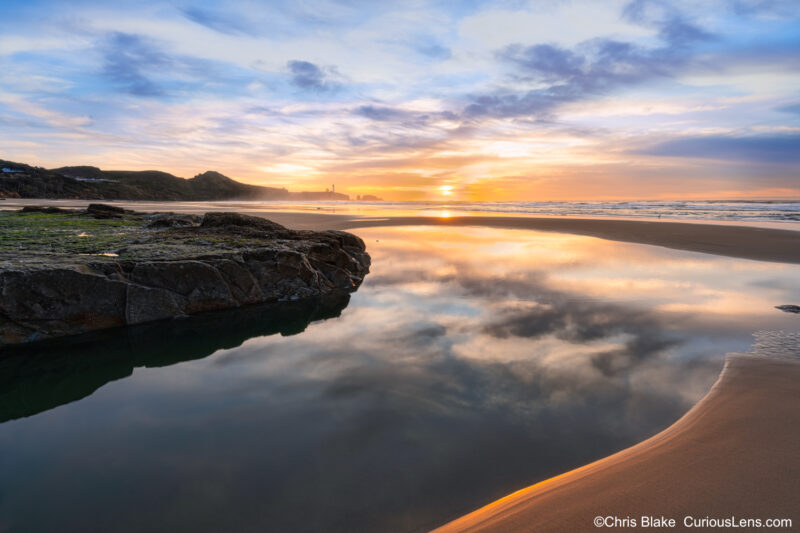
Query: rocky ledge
{"type": "Point", "coordinates": [65, 272]}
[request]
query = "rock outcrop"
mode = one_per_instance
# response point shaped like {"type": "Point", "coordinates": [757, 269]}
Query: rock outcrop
{"type": "Point", "coordinates": [159, 266]}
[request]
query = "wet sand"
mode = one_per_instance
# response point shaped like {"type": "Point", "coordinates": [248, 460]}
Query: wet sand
{"type": "Point", "coordinates": [734, 454]}
{"type": "Point", "coordinates": [745, 242]}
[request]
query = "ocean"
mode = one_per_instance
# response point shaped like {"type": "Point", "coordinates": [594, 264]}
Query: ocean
{"type": "Point", "coordinates": [699, 210]}
{"type": "Point", "coordinates": [702, 211]}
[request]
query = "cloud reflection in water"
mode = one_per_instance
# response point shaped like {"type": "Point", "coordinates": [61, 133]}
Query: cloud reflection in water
{"type": "Point", "coordinates": [471, 362]}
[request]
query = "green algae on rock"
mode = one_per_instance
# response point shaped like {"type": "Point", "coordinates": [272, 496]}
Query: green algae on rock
{"type": "Point", "coordinates": [65, 272]}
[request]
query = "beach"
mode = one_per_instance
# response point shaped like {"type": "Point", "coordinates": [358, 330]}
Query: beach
{"type": "Point", "coordinates": [727, 239]}
{"type": "Point", "coordinates": [400, 267]}
{"type": "Point", "coordinates": [733, 454]}
{"type": "Point", "coordinates": [745, 242]}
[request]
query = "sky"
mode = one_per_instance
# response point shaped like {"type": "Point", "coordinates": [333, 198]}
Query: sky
{"type": "Point", "coordinates": [416, 100]}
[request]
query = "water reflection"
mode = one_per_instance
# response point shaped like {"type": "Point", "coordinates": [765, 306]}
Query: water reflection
{"type": "Point", "coordinates": [43, 376]}
{"type": "Point", "coordinates": [471, 362]}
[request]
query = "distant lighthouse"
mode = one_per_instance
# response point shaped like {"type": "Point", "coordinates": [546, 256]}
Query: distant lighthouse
{"type": "Point", "coordinates": [333, 188]}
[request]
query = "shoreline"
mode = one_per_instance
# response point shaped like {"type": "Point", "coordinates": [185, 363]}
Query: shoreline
{"type": "Point", "coordinates": [733, 454]}
{"type": "Point", "coordinates": [744, 242]}
{"type": "Point", "coordinates": [738, 241]}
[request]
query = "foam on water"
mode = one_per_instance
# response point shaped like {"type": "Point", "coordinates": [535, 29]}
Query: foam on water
{"type": "Point", "coordinates": [759, 211]}
{"type": "Point", "coordinates": [695, 210]}
{"type": "Point", "coordinates": [777, 345]}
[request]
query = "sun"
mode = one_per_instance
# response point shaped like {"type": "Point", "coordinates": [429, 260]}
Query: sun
{"type": "Point", "coordinates": [446, 190]}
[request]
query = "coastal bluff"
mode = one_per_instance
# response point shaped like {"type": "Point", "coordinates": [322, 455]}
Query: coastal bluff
{"type": "Point", "coordinates": [66, 272]}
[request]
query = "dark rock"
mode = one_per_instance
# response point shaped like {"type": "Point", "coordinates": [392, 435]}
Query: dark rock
{"type": "Point", "coordinates": [145, 304]}
{"type": "Point", "coordinates": [789, 308]}
{"type": "Point", "coordinates": [104, 211]}
{"type": "Point", "coordinates": [227, 261]}
{"type": "Point", "coordinates": [173, 220]}
{"type": "Point", "coordinates": [49, 303]}
{"type": "Point", "coordinates": [240, 281]}
{"type": "Point", "coordinates": [43, 209]}
{"type": "Point", "coordinates": [200, 284]}
{"type": "Point", "coordinates": [236, 220]}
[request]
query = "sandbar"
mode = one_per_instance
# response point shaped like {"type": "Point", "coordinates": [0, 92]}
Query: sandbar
{"type": "Point", "coordinates": [735, 454]}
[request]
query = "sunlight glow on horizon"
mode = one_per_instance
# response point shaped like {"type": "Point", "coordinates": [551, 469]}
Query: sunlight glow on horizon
{"type": "Point", "coordinates": [572, 100]}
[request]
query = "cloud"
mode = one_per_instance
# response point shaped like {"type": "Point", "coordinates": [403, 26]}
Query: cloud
{"type": "Point", "coordinates": [678, 31]}
{"type": "Point", "coordinates": [570, 76]}
{"type": "Point", "coordinates": [790, 108]}
{"type": "Point", "coordinates": [139, 66]}
{"type": "Point", "coordinates": [308, 76]}
{"type": "Point", "coordinates": [526, 307]}
{"type": "Point", "coordinates": [581, 322]}
{"type": "Point", "coordinates": [673, 27]}
{"type": "Point", "coordinates": [592, 68]}
{"type": "Point", "coordinates": [430, 47]}
{"type": "Point", "coordinates": [428, 81]}
{"type": "Point", "coordinates": [220, 22]}
{"type": "Point", "coordinates": [773, 8]}
{"type": "Point", "coordinates": [126, 58]}
{"type": "Point", "coordinates": [551, 62]}
{"type": "Point", "coordinates": [761, 148]}
{"type": "Point", "coordinates": [435, 51]}
{"type": "Point", "coordinates": [407, 118]}
{"type": "Point", "coordinates": [381, 114]}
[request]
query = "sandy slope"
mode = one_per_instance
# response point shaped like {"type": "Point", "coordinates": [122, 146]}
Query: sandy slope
{"type": "Point", "coordinates": [735, 454]}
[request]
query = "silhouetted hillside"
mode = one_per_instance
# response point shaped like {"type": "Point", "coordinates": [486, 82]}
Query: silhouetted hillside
{"type": "Point", "coordinates": [18, 180]}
